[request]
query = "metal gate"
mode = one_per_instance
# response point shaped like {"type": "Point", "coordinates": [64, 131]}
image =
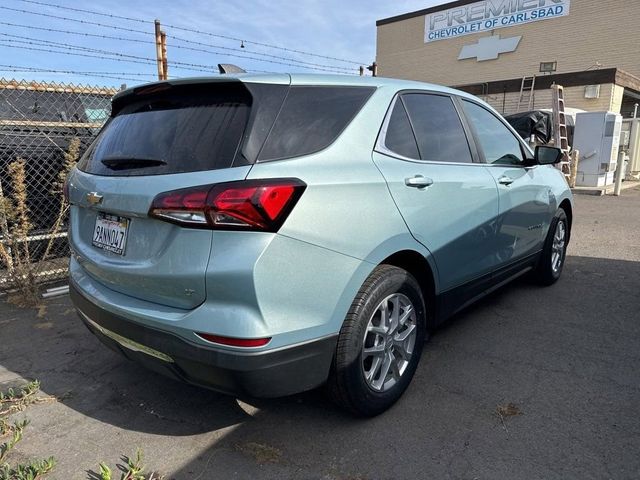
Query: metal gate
{"type": "Point", "coordinates": [43, 127]}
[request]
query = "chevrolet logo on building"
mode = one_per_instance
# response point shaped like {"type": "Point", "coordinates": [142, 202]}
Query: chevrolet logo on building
{"type": "Point", "coordinates": [489, 48]}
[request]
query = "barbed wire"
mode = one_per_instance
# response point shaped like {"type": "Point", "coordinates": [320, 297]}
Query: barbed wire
{"type": "Point", "coordinates": [311, 66]}
{"type": "Point", "coordinates": [116, 76]}
{"type": "Point", "coordinates": [49, 43]}
{"type": "Point", "coordinates": [9, 44]}
{"type": "Point", "coordinates": [84, 22]}
{"type": "Point", "coordinates": [101, 72]}
{"type": "Point", "coordinates": [192, 30]}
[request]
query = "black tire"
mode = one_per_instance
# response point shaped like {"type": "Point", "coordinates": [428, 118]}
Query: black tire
{"type": "Point", "coordinates": [347, 384]}
{"type": "Point", "coordinates": [545, 273]}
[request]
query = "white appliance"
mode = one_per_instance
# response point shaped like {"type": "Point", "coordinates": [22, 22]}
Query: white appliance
{"type": "Point", "coordinates": [597, 137]}
{"type": "Point", "coordinates": [632, 144]}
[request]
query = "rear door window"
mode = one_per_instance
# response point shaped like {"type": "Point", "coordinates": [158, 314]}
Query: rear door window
{"type": "Point", "coordinates": [311, 119]}
{"type": "Point", "coordinates": [437, 127]}
{"type": "Point", "coordinates": [188, 130]}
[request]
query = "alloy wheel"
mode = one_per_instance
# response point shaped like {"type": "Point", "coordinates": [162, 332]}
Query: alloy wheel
{"type": "Point", "coordinates": [557, 247]}
{"type": "Point", "coordinates": [389, 342]}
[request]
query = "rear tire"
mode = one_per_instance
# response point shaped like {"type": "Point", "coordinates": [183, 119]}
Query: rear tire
{"type": "Point", "coordinates": [554, 252]}
{"type": "Point", "coordinates": [380, 343]}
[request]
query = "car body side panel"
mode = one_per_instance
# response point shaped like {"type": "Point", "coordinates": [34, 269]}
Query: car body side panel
{"type": "Point", "coordinates": [346, 211]}
{"type": "Point", "coordinates": [305, 289]}
{"type": "Point", "coordinates": [558, 190]}
{"type": "Point", "coordinates": [547, 175]}
{"type": "Point", "coordinates": [454, 218]}
{"type": "Point", "coordinates": [290, 288]}
{"type": "Point", "coordinates": [526, 207]}
{"type": "Point", "coordinates": [346, 206]}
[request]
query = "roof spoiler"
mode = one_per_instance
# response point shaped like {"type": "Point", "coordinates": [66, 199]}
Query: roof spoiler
{"type": "Point", "coordinates": [230, 68]}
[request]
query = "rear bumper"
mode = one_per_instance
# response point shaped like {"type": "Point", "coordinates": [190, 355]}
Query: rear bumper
{"type": "Point", "coordinates": [273, 373]}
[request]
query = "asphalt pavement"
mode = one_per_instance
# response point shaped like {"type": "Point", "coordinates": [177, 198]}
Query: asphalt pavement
{"type": "Point", "coordinates": [530, 383]}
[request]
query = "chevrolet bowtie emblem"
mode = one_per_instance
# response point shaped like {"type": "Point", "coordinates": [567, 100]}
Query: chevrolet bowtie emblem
{"type": "Point", "coordinates": [94, 198]}
{"type": "Point", "coordinates": [489, 48]}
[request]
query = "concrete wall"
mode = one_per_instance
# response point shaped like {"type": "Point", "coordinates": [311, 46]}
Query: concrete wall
{"type": "Point", "coordinates": [604, 31]}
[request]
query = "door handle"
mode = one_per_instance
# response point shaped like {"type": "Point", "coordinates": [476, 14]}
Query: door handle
{"type": "Point", "coordinates": [505, 180]}
{"type": "Point", "coordinates": [418, 181]}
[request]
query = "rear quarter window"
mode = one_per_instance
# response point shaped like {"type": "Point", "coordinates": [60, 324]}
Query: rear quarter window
{"type": "Point", "coordinates": [311, 119]}
{"type": "Point", "coordinates": [399, 137]}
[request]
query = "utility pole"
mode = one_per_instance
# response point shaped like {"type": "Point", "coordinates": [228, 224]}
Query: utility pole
{"type": "Point", "coordinates": [165, 66]}
{"type": "Point", "coordinates": [373, 68]}
{"type": "Point", "coordinates": [161, 51]}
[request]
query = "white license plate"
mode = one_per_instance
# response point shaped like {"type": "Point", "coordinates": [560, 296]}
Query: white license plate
{"type": "Point", "coordinates": [110, 233]}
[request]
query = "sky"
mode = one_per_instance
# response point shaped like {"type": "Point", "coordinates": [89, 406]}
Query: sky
{"type": "Point", "coordinates": [342, 30]}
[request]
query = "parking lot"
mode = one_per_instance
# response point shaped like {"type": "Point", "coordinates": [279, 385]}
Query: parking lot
{"type": "Point", "coordinates": [530, 383]}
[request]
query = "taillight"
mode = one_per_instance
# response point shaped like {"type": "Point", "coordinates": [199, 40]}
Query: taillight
{"type": "Point", "coordinates": [235, 342]}
{"type": "Point", "coordinates": [243, 205]}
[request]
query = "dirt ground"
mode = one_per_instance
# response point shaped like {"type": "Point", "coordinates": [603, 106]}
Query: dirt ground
{"type": "Point", "coordinates": [529, 383]}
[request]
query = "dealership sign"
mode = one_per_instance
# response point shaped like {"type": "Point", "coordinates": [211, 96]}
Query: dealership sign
{"type": "Point", "coordinates": [488, 15]}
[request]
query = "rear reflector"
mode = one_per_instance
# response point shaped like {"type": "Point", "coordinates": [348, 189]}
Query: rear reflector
{"type": "Point", "coordinates": [235, 342]}
{"type": "Point", "coordinates": [244, 205]}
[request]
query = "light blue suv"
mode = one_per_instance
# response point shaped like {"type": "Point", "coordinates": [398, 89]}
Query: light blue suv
{"type": "Point", "coordinates": [263, 235]}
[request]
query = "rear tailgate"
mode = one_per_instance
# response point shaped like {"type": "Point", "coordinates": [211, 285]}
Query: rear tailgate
{"type": "Point", "coordinates": [160, 262]}
{"type": "Point", "coordinates": [157, 141]}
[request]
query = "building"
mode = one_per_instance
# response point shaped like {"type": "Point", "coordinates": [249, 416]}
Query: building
{"type": "Point", "coordinates": [590, 47]}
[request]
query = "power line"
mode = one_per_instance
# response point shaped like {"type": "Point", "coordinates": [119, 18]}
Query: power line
{"type": "Point", "coordinates": [265, 45]}
{"type": "Point", "coordinates": [74, 9]}
{"type": "Point", "coordinates": [311, 65]}
{"type": "Point", "coordinates": [201, 32]}
{"type": "Point", "coordinates": [320, 67]}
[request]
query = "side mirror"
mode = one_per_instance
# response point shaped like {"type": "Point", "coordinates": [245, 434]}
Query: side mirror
{"type": "Point", "coordinates": [545, 155]}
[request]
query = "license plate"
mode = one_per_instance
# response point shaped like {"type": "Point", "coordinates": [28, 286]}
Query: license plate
{"type": "Point", "coordinates": [110, 233]}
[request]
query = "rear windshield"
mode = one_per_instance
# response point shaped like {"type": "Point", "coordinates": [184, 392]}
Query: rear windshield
{"type": "Point", "coordinates": [311, 119]}
{"type": "Point", "coordinates": [180, 131]}
{"type": "Point", "coordinates": [212, 126]}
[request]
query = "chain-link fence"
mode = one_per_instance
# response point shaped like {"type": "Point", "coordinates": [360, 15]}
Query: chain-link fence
{"type": "Point", "coordinates": [38, 125]}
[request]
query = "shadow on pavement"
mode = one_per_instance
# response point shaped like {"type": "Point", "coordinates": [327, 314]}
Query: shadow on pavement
{"type": "Point", "coordinates": [566, 355]}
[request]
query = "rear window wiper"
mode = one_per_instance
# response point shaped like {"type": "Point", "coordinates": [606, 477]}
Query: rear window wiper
{"type": "Point", "coordinates": [121, 162]}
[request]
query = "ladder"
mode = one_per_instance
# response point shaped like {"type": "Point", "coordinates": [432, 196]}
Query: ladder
{"type": "Point", "coordinates": [527, 86]}
{"type": "Point", "coordinates": [560, 127]}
